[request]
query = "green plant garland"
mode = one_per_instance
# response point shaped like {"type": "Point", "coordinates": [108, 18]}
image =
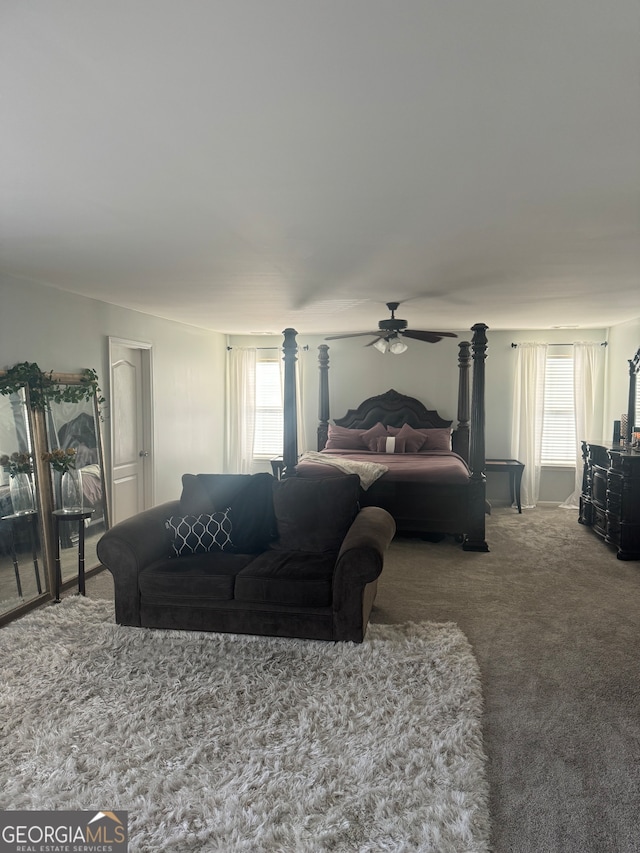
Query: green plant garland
{"type": "Point", "coordinates": [43, 389]}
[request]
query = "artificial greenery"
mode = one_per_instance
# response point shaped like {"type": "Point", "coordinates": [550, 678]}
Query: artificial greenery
{"type": "Point", "coordinates": [43, 389]}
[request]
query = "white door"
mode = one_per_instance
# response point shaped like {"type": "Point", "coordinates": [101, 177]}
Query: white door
{"type": "Point", "coordinates": [131, 434]}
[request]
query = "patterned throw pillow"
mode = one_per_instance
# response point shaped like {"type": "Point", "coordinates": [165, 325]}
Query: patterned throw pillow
{"type": "Point", "coordinates": [197, 534]}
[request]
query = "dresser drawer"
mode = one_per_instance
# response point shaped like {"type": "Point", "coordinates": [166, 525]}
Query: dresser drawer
{"type": "Point", "coordinates": [599, 483]}
{"type": "Point", "coordinates": [615, 482]}
{"type": "Point", "coordinates": [614, 502]}
{"type": "Point", "coordinates": [626, 464]}
{"type": "Point", "coordinates": [599, 520]}
{"type": "Point", "coordinates": [613, 528]}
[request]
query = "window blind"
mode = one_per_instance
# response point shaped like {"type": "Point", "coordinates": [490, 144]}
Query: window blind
{"type": "Point", "coordinates": [268, 438]}
{"type": "Point", "coordinates": [558, 426]}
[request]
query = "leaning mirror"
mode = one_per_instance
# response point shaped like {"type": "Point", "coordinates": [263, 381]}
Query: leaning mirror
{"type": "Point", "coordinates": [23, 576]}
{"type": "Point", "coordinates": [629, 432]}
{"type": "Point", "coordinates": [78, 484]}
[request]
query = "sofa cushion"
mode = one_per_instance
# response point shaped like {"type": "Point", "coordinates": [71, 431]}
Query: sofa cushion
{"type": "Point", "coordinates": [206, 493]}
{"type": "Point", "coordinates": [314, 515]}
{"type": "Point", "coordinates": [250, 498]}
{"type": "Point", "coordinates": [194, 579]}
{"type": "Point", "coordinates": [199, 534]}
{"type": "Point", "coordinates": [291, 578]}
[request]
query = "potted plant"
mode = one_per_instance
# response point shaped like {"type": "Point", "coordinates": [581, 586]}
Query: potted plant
{"type": "Point", "coordinates": [64, 462]}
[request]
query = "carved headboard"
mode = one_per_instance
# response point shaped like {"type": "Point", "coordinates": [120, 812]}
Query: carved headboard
{"type": "Point", "coordinates": [395, 409]}
{"type": "Point", "coordinates": [392, 409]}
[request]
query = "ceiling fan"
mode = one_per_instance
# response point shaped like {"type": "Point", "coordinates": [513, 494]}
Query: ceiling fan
{"type": "Point", "coordinates": [387, 337]}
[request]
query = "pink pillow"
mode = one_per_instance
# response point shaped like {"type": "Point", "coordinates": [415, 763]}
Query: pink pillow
{"type": "Point", "coordinates": [341, 438]}
{"type": "Point", "coordinates": [377, 431]}
{"type": "Point", "coordinates": [438, 439]}
{"type": "Point", "coordinates": [388, 444]}
{"type": "Point", "coordinates": [414, 439]}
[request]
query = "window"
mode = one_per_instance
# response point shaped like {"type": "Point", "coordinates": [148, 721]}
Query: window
{"type": "Point", "coordinates": [558, 426]}
{"type": "Point", "coordinates": [268, 438]}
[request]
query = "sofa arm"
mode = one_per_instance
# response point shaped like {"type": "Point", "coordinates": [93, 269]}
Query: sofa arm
{"type": "Point", "coordinates": [357, 568]}
{"type": "Point", "coordinates": [127, 548]}
{"type": "Point", "coordinates": [369, 537]}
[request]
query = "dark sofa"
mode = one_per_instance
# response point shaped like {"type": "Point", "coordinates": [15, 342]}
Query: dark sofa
{"type": "Point", "coordinates": [253, 555]}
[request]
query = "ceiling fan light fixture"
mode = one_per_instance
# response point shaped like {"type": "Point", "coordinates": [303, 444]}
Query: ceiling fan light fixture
{"type": "Point", "coordinates": [398, 347]}
{"type": "Point", "coordinates": [387, 336]}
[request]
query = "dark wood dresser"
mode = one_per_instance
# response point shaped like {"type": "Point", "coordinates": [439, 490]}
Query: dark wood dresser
{"type": "Point", "coordinates": [610, 500]}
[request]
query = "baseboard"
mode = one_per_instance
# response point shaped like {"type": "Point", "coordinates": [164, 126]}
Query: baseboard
{"type": "Point", "coordinates": [499, 503]}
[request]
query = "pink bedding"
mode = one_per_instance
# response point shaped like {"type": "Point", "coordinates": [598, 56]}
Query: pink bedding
{"type": "Point", "coordinates": [403, 467]}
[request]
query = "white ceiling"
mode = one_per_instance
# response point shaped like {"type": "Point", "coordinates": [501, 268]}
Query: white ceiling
{"type": "Point", "coordinates": [247, 165]}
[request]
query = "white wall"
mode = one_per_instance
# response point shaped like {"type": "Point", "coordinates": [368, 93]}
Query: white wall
{"type": "Point", "coordinates": [64, 332]}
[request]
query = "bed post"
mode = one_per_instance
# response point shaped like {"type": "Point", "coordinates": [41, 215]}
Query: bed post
{"type": "Point", "coordinates": [290, 406]}
{"type": "Point", "coordinates": [475, 539]}
{"type": "Point", "coordinates": [323, 404]}
{"type": "Point", "coordinates": [461, 435]}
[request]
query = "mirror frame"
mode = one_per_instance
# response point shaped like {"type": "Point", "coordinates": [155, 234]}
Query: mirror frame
{"type": "Point", "coordinates": [41, 478]}
{"type": "Point", "coordinates": [634, 369]}
{"type": "Point", "coordinates": [77, 379]}
{"type": "Point", "coordinates": [44, 494]}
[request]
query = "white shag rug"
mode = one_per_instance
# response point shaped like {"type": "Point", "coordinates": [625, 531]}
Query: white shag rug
{"type": "Point", "coordinates": [224, 742]}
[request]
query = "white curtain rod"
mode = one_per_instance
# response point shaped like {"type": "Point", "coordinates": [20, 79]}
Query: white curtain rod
{"type": "Point", "coordinates": [305, 348]}
{"type": "Point", "coordinates": [602, 344]}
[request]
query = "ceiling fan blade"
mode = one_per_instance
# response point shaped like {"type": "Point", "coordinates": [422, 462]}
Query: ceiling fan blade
{"type": "Point", "coordinates": [351, 335]}
{"type": "Point", "coordinates": [429, 337]}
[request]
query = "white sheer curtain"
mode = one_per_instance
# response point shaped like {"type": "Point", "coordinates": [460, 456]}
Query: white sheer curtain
{"type": "Point", "coordinates": [241, 407]}
{"type": "Point", "coordinates": [526, 429]}
{"type": "Point", "coordinates": [588, 361]}
{"type": "Point", "coordinates": [240, 410]}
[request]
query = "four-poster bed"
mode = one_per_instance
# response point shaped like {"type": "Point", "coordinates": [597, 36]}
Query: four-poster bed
{"type": "Point", "coordinates": [429, 488]}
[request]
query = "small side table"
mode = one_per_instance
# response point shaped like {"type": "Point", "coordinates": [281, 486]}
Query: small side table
{"type": "Point", "coordinates": [70, 515]}
{"type": "Point", "coordinates": [514, 469]}
{"type": "Point", "coordinates": [277, 467]}
{"type": "Point", "coordinates": [32, 517]}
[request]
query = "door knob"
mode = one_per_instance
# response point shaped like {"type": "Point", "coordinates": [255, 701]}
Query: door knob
{"type": "Point", "coordinates": [143, 453]}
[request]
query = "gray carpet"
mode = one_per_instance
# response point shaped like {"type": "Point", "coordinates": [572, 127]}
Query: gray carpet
{"type": "Point", "coordinates": [553, 619]}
